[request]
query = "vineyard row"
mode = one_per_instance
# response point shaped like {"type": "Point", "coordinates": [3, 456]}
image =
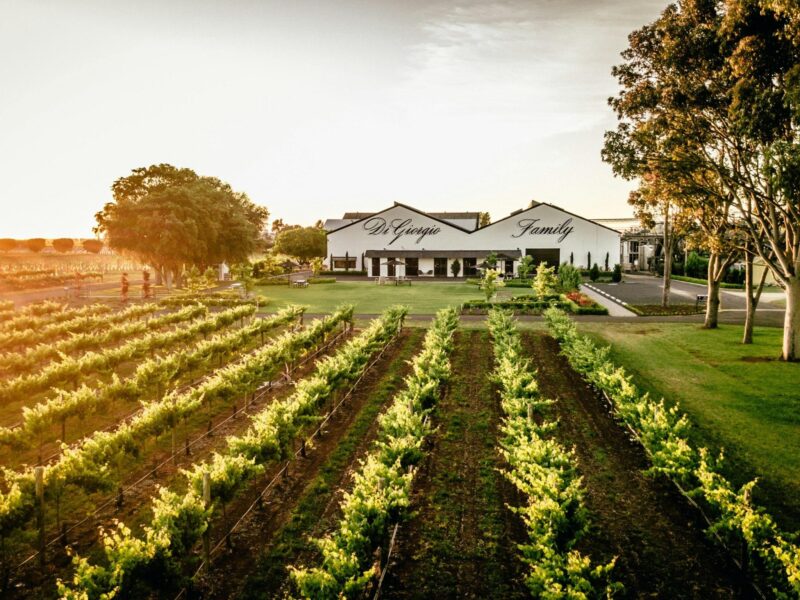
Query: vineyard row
{"type": "Point", "coordinates": [545, 472]}
{"type": "Point", "coordinates": [86, 464]}
{"type": "Point", "coordinates": [181, 519]}
{"type": "Point", "coordinates": [153, 373]}
{"type": "Point", "coordinates": [382, 486]}
{"type": "Point", "coordinates": [44, 333]}
{"type": "Point", "coordinates": [771, 554]}
{"type": "Point", "coordinates": [71, 369]}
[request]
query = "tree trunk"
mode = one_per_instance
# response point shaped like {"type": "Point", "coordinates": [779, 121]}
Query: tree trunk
{"type": "Point", "coordinates": [667, 259]}
{"type": "Point", "coordinates": [712, 303]}
{"type": "Point", "coordinates": [752, 296]}
{"type": "Point", "coordinates": [750, 310]}
{"type": "Point", "coordinates": [791, 323]}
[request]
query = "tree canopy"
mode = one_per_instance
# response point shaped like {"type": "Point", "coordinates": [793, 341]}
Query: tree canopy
{"type": "Point", "coordinates": [303, 243]}
{"type": "Point", "coordinates": [172, 218]}
{"type": "Point", "coordinates": [709, 105]}
{"type": "Point", "coordinates": [63, 244]}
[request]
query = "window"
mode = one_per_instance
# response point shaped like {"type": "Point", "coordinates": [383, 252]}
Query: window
{"type": "Point", "coordinates": [344, 262]}
{"type": "Point", "coordinates": [633, 252]}
{"type": "Point", "coordinates": [376, 266]}
{"type": "Point", "coordinates": [470, 267]}
{"type": "Point", "coordinates": [412, 267]}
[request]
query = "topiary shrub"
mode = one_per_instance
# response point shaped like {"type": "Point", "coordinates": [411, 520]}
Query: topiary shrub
{"type": "Point", "coordinates": [616, 275]}
{"type": "Point", "coordinates": [594, 272]}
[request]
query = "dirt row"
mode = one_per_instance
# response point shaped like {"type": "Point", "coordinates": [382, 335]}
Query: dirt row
{"type": "Point", "coordinates": [461, 540]}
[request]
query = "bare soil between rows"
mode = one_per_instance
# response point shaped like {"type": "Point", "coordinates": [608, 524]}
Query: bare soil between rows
{"type": "Point", "coordinates": [657, 536]}
{"type": "Point", "coordinates": [461, 538]}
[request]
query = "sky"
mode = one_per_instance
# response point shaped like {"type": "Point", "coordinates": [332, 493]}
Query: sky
{"type": "Point", "coordinates": [312, 108]}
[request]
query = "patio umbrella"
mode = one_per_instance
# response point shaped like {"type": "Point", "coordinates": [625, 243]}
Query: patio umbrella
{"type": "Point", "coordinates": [394, 262]}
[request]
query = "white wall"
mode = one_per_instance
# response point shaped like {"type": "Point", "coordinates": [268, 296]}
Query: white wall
{"type": "Point", "coordinates": [541, 227]}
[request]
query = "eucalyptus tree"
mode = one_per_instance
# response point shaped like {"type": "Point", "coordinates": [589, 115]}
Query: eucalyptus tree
{"type": "Point", "coordinates": [671, 70]}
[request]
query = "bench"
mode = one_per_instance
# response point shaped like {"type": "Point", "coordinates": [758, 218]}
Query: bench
{"type": "Point", "coordinates": [300, 283]}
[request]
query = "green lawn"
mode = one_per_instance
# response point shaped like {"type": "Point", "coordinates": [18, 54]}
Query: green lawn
{"type": "Point", "coordinates": [369, 298]}
{"type": "Point", "coordinates": [738, 397]}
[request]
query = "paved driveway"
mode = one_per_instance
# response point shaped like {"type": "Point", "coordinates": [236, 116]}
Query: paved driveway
{"type": "Point", "coordinates": [646, 289]}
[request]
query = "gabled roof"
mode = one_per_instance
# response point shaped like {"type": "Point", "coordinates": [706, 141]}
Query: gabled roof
{"type": "Point", "coordinates": [406, 206]}
{"type": "Point", "coordinates": [537, 205]}
{"type": "Point", "coordinates": [437, 215]}
{"type": "Point", "coordinates": [441, 216]}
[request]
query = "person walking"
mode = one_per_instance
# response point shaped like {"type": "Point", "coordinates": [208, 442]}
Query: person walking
{"type": "Point", "coordinates": [124, 287]}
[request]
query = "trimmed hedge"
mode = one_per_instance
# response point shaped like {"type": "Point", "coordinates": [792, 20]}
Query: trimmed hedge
{"type": "Point", "coordinates": [733, 286]}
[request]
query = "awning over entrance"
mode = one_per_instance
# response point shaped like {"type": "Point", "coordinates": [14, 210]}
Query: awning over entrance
{"type": "Point", "coordinates": [440, 253]}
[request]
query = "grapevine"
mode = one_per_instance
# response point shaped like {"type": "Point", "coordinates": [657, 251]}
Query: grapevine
{"type": "Point", "coordinates": [7, 310]}
{"type": "Point", "coordinates": [663, 433]}
{"type": "Point", "coordinates": [544, 471]}
{"type": "Point", "coordinates": [381, 491]}
{"type": "Point", "coordinates": [34, 335]}
{"type": "Point", "coordinates": [180, 519]}
{"type": "Point", "coordinates": [86, 464]}
{"type": "Point", "coordinates": [71, 369]}
{"type": "Point", "coordinates": [57, 315]}
{"type": "Point", "coordinates": [150, 374]}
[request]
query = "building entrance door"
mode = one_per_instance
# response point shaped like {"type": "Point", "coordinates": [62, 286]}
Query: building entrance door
{"type": "Point", "coordinates": [440, 267]}
{"type": "Point", "coordinates": [550, 256]}
{"type": "Point", "coordinates": [390, 266]}
{"type": "Point", "coordinates": [376, 266]}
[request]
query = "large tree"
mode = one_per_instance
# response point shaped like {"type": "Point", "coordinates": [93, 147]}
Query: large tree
{"type": "Point", "coordinates": [302, 243]}
{"type": "Point", "coordinates": [173, 218]}
{"type": "Point", "coordinates": [714, 88]}
{"type": "Point", "coordinates": [671, 67]}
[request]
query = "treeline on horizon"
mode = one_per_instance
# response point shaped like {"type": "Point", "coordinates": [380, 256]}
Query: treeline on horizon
{"type": "Point", "coordinates": [62, 245]}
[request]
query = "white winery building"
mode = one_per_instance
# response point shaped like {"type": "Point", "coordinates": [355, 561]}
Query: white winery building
{"type": "Point", "coordinates": [402, 240]}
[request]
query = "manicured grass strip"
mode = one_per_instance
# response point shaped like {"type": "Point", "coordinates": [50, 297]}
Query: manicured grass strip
{"type": "Point", "coordinates": [737, 396]}
{"type": "Point", "coordinates": [733, 286]}
{"type": "Point", "coordinates": [368, 298]}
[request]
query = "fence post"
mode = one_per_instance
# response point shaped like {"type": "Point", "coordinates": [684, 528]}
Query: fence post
{"type": "Point", "coordinates": [39, 474]}
{"type": "Point", "coordinates": [207, 532]}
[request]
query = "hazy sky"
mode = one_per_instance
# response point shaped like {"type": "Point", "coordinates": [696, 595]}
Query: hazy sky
{"type": "Point", "coordinates": [312, 108]}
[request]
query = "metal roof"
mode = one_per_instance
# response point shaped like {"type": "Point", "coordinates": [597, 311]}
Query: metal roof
{"type": "Point", "coordinates": [438, 215]}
